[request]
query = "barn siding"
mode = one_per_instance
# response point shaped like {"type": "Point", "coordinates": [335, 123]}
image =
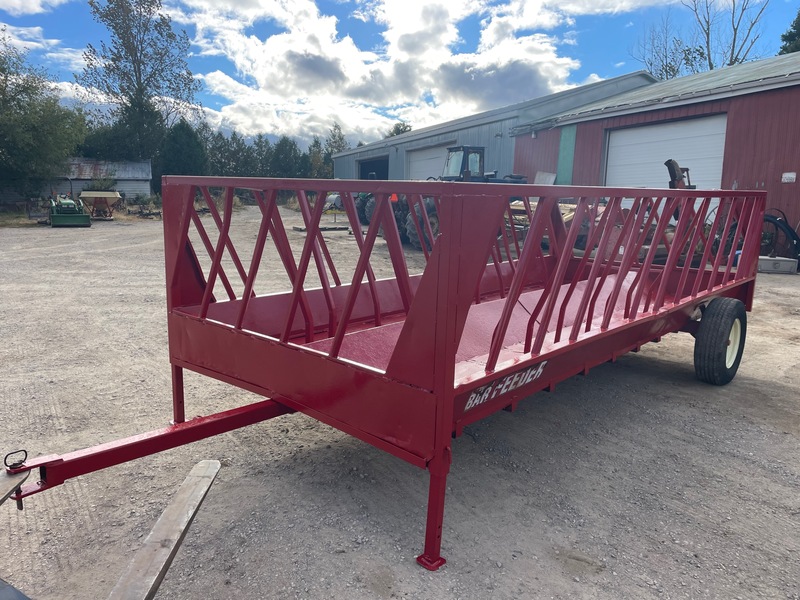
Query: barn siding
{"type": "Point", "coordinates": [590, 151]}
{"type": "Point", "coordinates": [762, 144]}
{"type": "Point", "coordinates": [537, 154]}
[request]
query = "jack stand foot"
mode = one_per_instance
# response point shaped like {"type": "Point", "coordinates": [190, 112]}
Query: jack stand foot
{"type": "Point", "coordinates": [432, 564]}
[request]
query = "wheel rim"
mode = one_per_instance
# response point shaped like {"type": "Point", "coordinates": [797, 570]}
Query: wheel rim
{"type": "Point", "coordinates": [734, 340]}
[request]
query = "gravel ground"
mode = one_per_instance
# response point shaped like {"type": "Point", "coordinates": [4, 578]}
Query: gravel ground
{"type": "Point", "coordinates": [634, 482]}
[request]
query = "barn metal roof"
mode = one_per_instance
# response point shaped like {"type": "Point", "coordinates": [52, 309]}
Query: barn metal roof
{"type": "Point", "coordinates": [747, 78]}
{"type": "Point", "coordinates": [89, 168]}
{"type": "Point", "coordinates": [529, 110]}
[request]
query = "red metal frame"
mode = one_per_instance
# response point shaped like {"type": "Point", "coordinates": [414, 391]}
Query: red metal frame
{"type": "Point", "coordinates": [405, 362]}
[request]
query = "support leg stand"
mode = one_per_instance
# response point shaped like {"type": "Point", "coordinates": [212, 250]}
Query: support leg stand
{"type": "Point", "coordinates": [431, 558]}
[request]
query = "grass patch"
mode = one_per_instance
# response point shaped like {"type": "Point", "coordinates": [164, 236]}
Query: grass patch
{"type": "Point", "coordinates": [15, 219]}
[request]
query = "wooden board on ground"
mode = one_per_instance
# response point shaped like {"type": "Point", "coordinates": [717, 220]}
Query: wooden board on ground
{"type": "Point", "coordinates": [324, 228]}
{"type": "Point", "coordinates": [9, 483]}
{"type": "Point", "coordinates": [9, 592]}
{"type": "Point", "coordinates": [150, 564]}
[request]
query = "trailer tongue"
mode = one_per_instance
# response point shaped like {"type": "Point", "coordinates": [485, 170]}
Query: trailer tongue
{"type": "Point", "coordinates": [406, 362]}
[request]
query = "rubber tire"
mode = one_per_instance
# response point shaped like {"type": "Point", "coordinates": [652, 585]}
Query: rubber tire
{"type": "Point", "coordinates": [724, 321]}
{"type": "Point", "coordinates": [411, 229]}
{"type": "Point", "coordinates": [361, 203]}
{"type": "Point", "coordinates": [400, 212]}
{"type": "Point", "coordinates": [369, 210]}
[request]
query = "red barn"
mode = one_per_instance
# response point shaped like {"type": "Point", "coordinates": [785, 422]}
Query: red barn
{"type": "Point", "coordinates": [734, 128]}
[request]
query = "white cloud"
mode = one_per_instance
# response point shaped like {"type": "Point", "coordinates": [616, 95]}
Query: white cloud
{"type": "Point", "coordinates": [28, 38]}
{"type": "Point", "coordinates": [19, 8]}
{"type": "Point", "coordinates": [293, 71]}
{"type": "Point", "coordinates": [307, 75]}
{"type": "Point", "coordinates": [70, 58]}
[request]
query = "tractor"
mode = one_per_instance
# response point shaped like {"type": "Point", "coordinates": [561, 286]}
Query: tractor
{"type": "Point", "coordinates": [463, 163]}
{"type": "Point", "coordinates": [68, 212]}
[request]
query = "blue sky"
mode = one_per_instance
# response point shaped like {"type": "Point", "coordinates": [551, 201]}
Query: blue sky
{"type": "Point", "coordinates": [295, 66]}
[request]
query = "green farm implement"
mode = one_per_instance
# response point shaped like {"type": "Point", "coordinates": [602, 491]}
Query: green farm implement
{"type": "Point", "coordinates": [68, 212]}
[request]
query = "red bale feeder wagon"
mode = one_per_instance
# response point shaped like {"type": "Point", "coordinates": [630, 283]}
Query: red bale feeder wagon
{"type": "Point", "coordinates": [509, 302]}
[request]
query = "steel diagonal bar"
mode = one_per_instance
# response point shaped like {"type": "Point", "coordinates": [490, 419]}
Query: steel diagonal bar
{"type": "Point", "coordinates": [496, 261]}
{"type": "Point", "coordinates": [603, 265]}
{"type": "Point", "coordinates": [641, 282]}
{"type": "Point", "coordinates": [355, 227]}
{"type": "Point", "coordinates": [216, 263]}
{"type": "Point", "coordinates": [548, 289]}
{"type": "Point", "coordinates": [300, 277]}
{"type": "Point", "coordinates": [746, 222]}
{"type": "Point", "coordinates": [505, 239]}
{"type": "Point", "coordinates": [721, 248]}
{"type": "Point", "coordinates": [511, 234]}
{"type": "Point", "coordinates": [583, 207]}
{"type": "Point", "coordinates": [674, 251]}
{"type": "Point", "coordinates": [741, 207]}
{"type": "Point", "coordinates": [532, 241]}
{"type": "Point", "coordinates": [416, 202]}
{"type": "Point", "coordinates": [395, 246]}
{"type": "Point", "coordinates": [679, 241]}
{"type": "Point", "coordinates": [212, 208]}
{"type": "Point", "coordinates": [744, 238]}
{"type": "Point", "coordinates": [581, 267]}
{"type": "Point", "coordinates": [729, 253]}
{"type": "Point", "coordinates": [526, 203]}
{"type": "Point", "coordinates": [183, 205]}
{"type": "Point", "coordinates": [381, 205]}
{"type": "Point", "coordinates": [312, 221]}
{"type": "Point", "coordinates": [696, 227]}
{"type": "Point", "coordinates": [258, 250]}
{"type": "Point", "coordinates": [703, 267]}
{"type": "Point", "coordinates": [284, 249]}
{"type": "Point", "coordinates": [201, 231]}
{"type": "Point", "coordinates": [661, 221]}
{"type": "Point", "coordinates": [603, 250]}
{"type": "Point", "coordinates": [598, 230]}
{"type": "Point", "coordinates": [566, 255]}
{"type": "Point", "coordinates": [557, 231]}
{"type": "Point", "coordinates": [631, 246]}
{"type": "Point", "coordinates": [321, 245]}
{"type": "Point", "coordinates": [658, 224]}
{"type": "Point", "coordinates": [56, 469]}
{"type": "Point", "coordinates": [752, 242]}
{"type": "Point", "coordinates": [426, 225]}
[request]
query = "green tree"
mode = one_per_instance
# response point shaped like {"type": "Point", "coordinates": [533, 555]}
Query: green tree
{"type": "Point", "coordinates": [105, 142]}
{"type": "Point", "coordinates": [316, 160]}
{"type": "Point", "coordinates": [219, 155]}
{"type": "Point", "coordinates": [263, 156]}
{"type": "Point", "coordinates": [142, 71]}
{"type": "Point", "coordinates": [398, 128]}
{"type": "Point", "coordinates": [791, 39]}
{"type": "Point", "coordinates": [182, 153]}
{"type": "Point", "coordinates": [37, 134]}
{"type": "Point", "coordinates": [334, 143]}
{"type": "Point", "coordinates": [241, 157]}
{"type": "Point", "coordinates": [286, 156]}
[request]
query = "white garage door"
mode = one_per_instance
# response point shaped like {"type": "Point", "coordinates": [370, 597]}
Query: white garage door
{"type": "Point", "coordinates": [426, 163]}
{"type": "Point", "coordinates": [636, 156]}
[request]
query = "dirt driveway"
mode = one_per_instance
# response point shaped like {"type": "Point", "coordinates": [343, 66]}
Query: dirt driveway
{"type": "Point", "coordinates": [634, 482]}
